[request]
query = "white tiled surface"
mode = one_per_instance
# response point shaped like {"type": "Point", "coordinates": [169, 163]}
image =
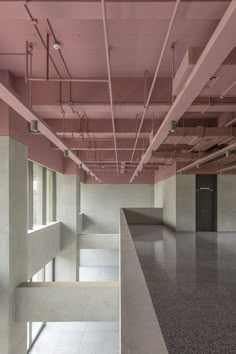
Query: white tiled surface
{"type": "Point", "coordinates": [78, 338]}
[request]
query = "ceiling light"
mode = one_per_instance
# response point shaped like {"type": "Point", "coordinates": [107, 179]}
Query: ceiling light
{"type": "Point", "coordinates": [33, 21]}
{"type": "Point", "coordinates": [33, 126]}
{"type": "Point", "coordinates": [172, 126]}
{"type": "Point", "coordinates": [212, 81]}
{"type": "Point", "coordinates": [57, 45]}
{"type": "Point", "coordinates": [227, 153]}
{"type": "Point", "coordinates": [197, 165]}
{"type": "Point", "coordinates": [66, 153]}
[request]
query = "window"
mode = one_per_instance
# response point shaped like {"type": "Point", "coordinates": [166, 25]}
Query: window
{"type": "Point", "coordinates": [37, 195]}
{"type": "Point", "coordinates": [34, 329]}
{"type": "Point", "coordinates": [50, 195]}
{"type": "Point", "coordinates": [41, 195]}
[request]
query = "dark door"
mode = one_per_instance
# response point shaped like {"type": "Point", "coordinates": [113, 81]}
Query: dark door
{"type": "Point", "coordinates": [206, 202]}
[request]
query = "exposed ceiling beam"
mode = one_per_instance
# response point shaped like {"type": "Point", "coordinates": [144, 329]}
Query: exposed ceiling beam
{"type": "Point", "coordinates": [107, 49]}
{"type": "Point", "coordinates": [100, 126]}
{"type": "Point", "coordinates": [134, 108]}
{"type": "Point", "coordinates": [146, 104]}
{"type": "Point", "coordinates": [219, 46]}
{"type": "Point", "coordinates": [177, 155]}
{"type": "Point", "coordinates": [207, 158]}
{"type": "Point", "coordinates": [227, 169]}
{"type": "Point", "coordinates": [10, 98]}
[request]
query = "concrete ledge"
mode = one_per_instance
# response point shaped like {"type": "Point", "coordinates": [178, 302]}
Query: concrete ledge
{"type": "Point", "coordinates": [144, 216]}
{"type": "Point", "coordinates": [67, 301]}
{"type": "Point", "coordinates": [43, 246]}
{"type": "Point", "coordinates": [140, 330]}
{"type": "Point", "coordinates": [99, 241]}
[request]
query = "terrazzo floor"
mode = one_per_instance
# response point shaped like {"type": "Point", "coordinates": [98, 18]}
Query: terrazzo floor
{"type": "Point", "coordinates": [192, 282]}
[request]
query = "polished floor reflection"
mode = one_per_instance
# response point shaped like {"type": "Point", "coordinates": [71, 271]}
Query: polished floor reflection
{"type": "Point", "coordinates": [192, 282]}
{"type": "Point", "coordinates": [78, 338]}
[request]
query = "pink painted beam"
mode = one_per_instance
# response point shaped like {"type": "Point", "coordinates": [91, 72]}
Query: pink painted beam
{"type": "Point", "coordinates": [217, 49]}
{"type": "Point", "coordinates": [207, 158]}
{"type": "Point", "coordinates": [101, 144]}
{"type": "Point", "coordinates": [227, 169]}
{"type": "Point", "coordinates": [130, 126]}
{"type": "Point", "coordinates": [11, 98]}
{"type": "Point", "coordinates": [98, 125]}
{"type": "Point", "coordinates": [177, 155]}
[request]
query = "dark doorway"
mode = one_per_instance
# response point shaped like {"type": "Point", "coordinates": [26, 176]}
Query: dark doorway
{"type": "Point", "coordinates": [206, 202]}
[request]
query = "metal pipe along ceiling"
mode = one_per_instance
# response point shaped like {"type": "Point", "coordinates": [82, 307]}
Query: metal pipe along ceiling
{"type": "Point", "coordinates": [156, 72]}
{"type": "Point", "coordinates": [217, 49]}
{"type": "Point", "coordinates": [109, 79]}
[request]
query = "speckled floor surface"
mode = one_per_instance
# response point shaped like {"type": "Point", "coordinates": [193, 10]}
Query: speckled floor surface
{"type": "Point", "coordinates": [192, 282]}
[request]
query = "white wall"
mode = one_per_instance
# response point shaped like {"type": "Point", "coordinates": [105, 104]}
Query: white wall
{"type": "Point", "coordinates": [101, 204]}
{"type": "Point", "coordinates": [226, 203]}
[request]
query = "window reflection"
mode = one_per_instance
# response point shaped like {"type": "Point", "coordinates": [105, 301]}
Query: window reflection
{"type": "Point", "coordinates": [37, 195]}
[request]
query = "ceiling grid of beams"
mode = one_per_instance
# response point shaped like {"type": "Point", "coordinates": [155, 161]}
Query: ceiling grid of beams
{"type": "Point", "coordinates": [106, 126]}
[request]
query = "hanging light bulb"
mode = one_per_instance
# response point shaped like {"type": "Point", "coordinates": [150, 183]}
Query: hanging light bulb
{"type": "Point", "coordinates": [172, 126]}
{"type": "Point", "coordinates": [33, 126]}
{"type": "Point", "coordinates": [227, 153]}
{"type": "Point", "coordinates": [66, 153]}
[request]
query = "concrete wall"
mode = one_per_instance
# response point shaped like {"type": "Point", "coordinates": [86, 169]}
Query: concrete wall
{"type": "Point", "coordinates": [176, 195]}
{"type": "Point", "coordinates": [68, 209]}
{"type": "Point", "coordinates": [43, 246]}
{"type": "Point", "coordinates": [101, 204]}
{"type": "Point", "coordinates": [139, 327]}
{"type": "Point", "coordinates": [226, 203]}
{"type": "Point", "coordinates": [98, 241]}
{"type": "Point", "coordinates": [69, 301]}
{"type": "Point", "coordinates": [13, 243]}
{"type": "Point", "coordinates": [186, 205]}
{"type": "Point", "coordinates": [144, 216]}
{"type": "Point", "coordinates": [165, 197]}
{"type": "Point", "coordinates": [99, 258]}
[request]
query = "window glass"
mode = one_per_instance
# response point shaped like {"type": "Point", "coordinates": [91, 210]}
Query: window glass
{"type": "Point", "coordinates": [28, 335]}
{"type": "Point", "coordinates": [40, 276]}
{"type": "Point", "coordinates": [49, 196]}
{"type": "Point", "coordinates": [37, 195]}
{"type": "Point", "coordinates": [33, 328]}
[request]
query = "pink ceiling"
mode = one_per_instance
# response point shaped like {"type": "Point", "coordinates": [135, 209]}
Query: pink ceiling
{"type": "Point", "coordinates": [136, 32]}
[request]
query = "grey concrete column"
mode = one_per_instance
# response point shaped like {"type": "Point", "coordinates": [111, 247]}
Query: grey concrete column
{"type": "Point", "coordinates": [226, 204]}
{"type": "Point", "coordinates": [185, 203]}
{"type": "Point", "coordinates": [176, 195]}
{"type": "Point", "coordinates": [13, 241]}
{"type": "Point", "coordinates": [68, 208]}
